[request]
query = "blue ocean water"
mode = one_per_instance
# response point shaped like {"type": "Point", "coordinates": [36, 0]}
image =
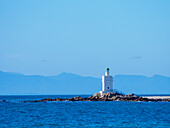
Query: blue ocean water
{"type": "Point", "coordinates": [15, 113]}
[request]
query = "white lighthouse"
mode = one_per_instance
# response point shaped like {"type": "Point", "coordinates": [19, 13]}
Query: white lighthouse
{"type": "Point", "coordinates": [107, 82]}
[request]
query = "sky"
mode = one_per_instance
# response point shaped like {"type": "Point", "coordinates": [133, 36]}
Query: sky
{"type": "Point", "coordinates": [40, 37]}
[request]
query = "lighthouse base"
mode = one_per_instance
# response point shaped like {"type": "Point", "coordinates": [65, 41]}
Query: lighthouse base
{"type": "Point", "coordinates": [102, 92]}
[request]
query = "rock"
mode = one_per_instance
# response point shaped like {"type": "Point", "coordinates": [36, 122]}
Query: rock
{"type": "Point", "coordinates": [113, 98]}
{"type": "Point", "coordinates": [132, 96]}
{"type": "Point", "coordinates": [97, 95]}
{"type": "Point", "coordinates": [110, 95]}
{"type": "Point", "coordinates": [77, 98]}
{"type": "Point", "coordinates": [71, 99]}
{"type": "Point", "coordinates": [92, 98]}
{"type": "Point", "coordinates": [57, 99]}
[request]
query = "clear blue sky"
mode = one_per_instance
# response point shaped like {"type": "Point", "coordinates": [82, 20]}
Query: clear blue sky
{"type": "Point", "coordinates": [85, 36]}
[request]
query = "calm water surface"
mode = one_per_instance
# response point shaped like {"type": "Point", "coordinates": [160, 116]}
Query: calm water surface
{"type": "Point", "coordinates": [15, 113]}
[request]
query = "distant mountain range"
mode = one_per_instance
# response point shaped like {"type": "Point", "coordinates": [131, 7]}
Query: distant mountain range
{"type": "Point", "coordinates": [68, 83]}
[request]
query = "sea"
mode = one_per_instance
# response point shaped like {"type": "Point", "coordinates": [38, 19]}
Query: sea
{"type": "Point", "coordinates": [15, 113]}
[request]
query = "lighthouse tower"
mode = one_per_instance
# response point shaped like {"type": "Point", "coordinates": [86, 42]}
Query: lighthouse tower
{"type": "Point", "coordinates": [107, 82]}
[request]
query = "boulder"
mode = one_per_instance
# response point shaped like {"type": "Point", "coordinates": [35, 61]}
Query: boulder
{"type": "Point", "coordinates": [71, 99]}
{"type": "Point", "coordinates": [77, 98]}
{"type": "Point", "coordinates": [97, 95]}
{"type": "Point", "coordinates": [92, 98]}
{"type": "Point", "coordinates": [113, 98]}
{"type": "Point", "coordinates": [110, 95]}
{"type": "Point", "coordinates": [132, 96]}
{"type": "Point", "coordinates": [56, 99]}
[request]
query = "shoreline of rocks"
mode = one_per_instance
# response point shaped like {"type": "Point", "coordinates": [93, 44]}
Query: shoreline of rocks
{"type": "Point", "coordinates": [105, 97]}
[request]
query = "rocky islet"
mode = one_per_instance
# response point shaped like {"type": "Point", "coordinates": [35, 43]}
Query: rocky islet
{"type": "Point", "coordinates": [105, 97]}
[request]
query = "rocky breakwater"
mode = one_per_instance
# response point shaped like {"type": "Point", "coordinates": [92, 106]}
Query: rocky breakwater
{"type": "Point", "coordinates": [105, 97]}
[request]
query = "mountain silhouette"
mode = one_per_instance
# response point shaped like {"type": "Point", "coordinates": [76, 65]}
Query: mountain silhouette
{"type": "Point", "coordinates": [68, 83]}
